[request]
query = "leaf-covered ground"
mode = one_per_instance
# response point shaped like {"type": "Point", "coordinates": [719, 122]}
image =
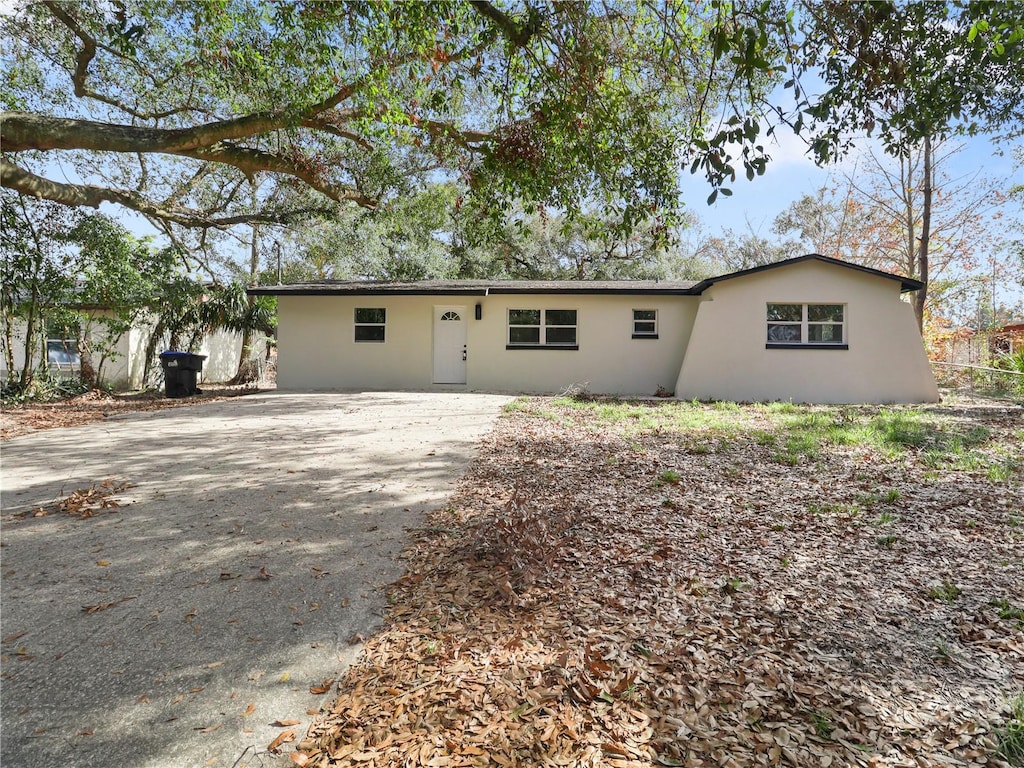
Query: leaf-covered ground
{"type": "Point", "coordinates": [680, 584]}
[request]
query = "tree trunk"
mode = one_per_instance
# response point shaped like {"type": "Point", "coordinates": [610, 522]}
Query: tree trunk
{"type": "Point", "coordinates": [28, 369]}
{"type": "Point", "coordinates": [926, 222]}
{"type": "Point", "coordinates": [154, 339]}
{"type": "Point", "coordinates": [87, 368]}
{"type": "Point", "coordinates": [248, 371]}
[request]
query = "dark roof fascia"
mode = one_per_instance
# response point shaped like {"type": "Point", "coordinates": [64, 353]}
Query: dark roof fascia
{"type": "Point", "coordinates": [386, 290]}
{"type": "Point", "coordinates": [372, 290]}
{"type": "Point", "coordinates": [906, 283]}
{"type": "Point", "coordinates": [603, 291]}
{"type": "Point", "coordinates": [541, 287]}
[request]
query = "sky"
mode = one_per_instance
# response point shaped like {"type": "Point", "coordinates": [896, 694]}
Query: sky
{"type": "Point", "coordinates": [791, 174]}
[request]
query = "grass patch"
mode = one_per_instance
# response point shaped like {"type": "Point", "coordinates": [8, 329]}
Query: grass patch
{"type": "Point", "coordinates": [1008, 610]}
{"type": "Point", "coordinates": [946, 592]}
{"type": "Point", "coordinates": [823, 726]}
{"type": "Point", "coordinates": [798, 434]}
{"type": "Point", "coordinates": [1011, 735]}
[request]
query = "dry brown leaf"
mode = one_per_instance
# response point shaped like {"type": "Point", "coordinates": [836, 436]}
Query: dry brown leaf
{"type": "Point", "coordinates": [324, 687]}
{"type": "Point", "coordinates": [104, 606]}
{"type": "Point", "coordinates": [285, 723]}
{"type": "Point", "coordinates": [282, 738]}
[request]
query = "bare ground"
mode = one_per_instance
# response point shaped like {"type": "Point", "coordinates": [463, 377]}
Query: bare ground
{"type": "Point", "coordinates": [25, 418]}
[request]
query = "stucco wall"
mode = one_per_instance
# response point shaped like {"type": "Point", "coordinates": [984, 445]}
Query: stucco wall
{"type": "Point", "coordinates": [317, 350]}
{"type": "Point", "coordinates": [123, 370]}
{"type": "Point", "coordinates": [727, 359]}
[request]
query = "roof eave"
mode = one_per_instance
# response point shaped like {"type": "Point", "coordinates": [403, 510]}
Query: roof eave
{"type": "Point", "coordinates": [906, 284]}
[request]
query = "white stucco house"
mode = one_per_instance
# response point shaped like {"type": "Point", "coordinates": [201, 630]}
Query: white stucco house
{"type": "Point", "coordinates": [810, 329]}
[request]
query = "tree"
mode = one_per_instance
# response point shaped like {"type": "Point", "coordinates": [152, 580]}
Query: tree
{"type": "Point", "coordinates": [877, 217]}
{"type": "Point", "coordinates": [83, 273]}
{"type": "Point", "coordinates": [735, 251]}
{"type": "Point", "coordinates": [174, 106]}
{"type": "Point", "coordinates": [32, 239]}
{"type": "Point", "coordinates": [832, 222]}
{"type": "Point", "coordinates": [916, 74]}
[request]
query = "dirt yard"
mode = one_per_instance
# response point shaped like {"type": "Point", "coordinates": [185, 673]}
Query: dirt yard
{"type": "Point", "coordinates": [676, 584]}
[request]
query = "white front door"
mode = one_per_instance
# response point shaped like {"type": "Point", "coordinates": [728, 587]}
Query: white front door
{"type": "Point", "coordinates": [449, 345]}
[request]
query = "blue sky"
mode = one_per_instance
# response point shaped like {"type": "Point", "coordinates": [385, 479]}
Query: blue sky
{"type": "Point", "coordinates": [791, 174]}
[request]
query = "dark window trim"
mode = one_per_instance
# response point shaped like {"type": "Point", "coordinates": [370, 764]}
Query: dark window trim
{"type": "Point", "coordinates": [808, 345]}
{"type": "Point", "coordinates": [356, 325]}
{"type": "Point", "coordinates": [566, 347]}
{"type": "Point", "coordinates": [645, 335]}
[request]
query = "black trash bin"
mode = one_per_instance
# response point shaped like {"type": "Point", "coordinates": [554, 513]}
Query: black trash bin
{"type": "Point", "coordinates": [180, 370]}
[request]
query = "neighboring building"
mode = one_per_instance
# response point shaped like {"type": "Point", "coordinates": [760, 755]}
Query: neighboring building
{"type": "Point", "coordinates": [969, 346]}
{"type": "Point", "coordinates": [123, 370]}
{"type": "Point", "coordinates": [810, 329]}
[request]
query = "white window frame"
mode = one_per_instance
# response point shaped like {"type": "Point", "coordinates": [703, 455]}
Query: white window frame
{"type": "Point", "coordinates": [644, 334]}
{"type": "Point", "coordinates": [357, 324]}
{"type": "Point", "coordinates": [805, 324]}
{"type": "Point", "coordinates": [542, 329]}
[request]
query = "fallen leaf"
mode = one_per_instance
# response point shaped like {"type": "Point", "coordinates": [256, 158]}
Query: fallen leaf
{"type": "Point", "coordinates": [282, 738]}
{"type": "Point", "coordinates": [104, 606]}
{"type": "Point", "coordinates": [324, 687]}
{"type": "Point", "coordinates": [249, 710]}
{"type": "Point", "coordinates": [285, 723]}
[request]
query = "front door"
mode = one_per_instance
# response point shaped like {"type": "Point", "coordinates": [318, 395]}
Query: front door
{"type": "Point", "coordinates": [449, 345]}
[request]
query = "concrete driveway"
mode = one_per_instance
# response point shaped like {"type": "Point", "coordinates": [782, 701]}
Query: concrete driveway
{"type": "Point", "coordinates": [241, 569]}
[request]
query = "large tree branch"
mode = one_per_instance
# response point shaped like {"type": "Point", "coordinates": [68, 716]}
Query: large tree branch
{"type": "Point", "coordinates": [519, 34]}
{"type": "Point", "coordinates": [253, 161]}
{"type": "Point", "coordinates": [79, 195]}
{"type": "Point", "coordinates": [21, 131]}
{"type": "Point", "coordinates": [84, 58]}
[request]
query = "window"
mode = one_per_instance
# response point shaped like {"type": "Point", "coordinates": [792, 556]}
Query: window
{"type": "Point", "coordinates": [806, 325]}
{"type": "Point", "coordinates": [645, 323]}
{"type": "Point", "coordinates": [63, 353]}
{"type": "Point", "coordinates": [370, 324]}
{"type": "Point", "coordinates": [554, 328]}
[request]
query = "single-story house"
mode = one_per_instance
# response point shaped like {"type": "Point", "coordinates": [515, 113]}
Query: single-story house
{"type": "Point", "coordinates": [810, 329]}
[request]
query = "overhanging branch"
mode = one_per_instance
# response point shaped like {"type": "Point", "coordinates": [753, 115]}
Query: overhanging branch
{"type": "Point", "coordinates": [81, 195]}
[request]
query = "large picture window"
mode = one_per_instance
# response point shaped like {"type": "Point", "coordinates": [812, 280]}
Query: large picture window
{"type": "Point", "coordinates": [806, 325]}
{"type": "Point", "coordinates": [554, 328]}
{"type": "Point", "coordinates": [370, 324]}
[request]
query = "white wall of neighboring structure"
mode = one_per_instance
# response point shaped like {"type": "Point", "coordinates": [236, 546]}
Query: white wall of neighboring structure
{"type": "Point", "coordinates": [124, 369]}
{"type": "Point", "coordinates": [317, 348]}
{"type": "Point", "coordinates": [727, 357]}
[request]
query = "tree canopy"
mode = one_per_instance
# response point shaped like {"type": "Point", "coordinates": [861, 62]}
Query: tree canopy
{"type": "Point", "coordinates": [177, 109]}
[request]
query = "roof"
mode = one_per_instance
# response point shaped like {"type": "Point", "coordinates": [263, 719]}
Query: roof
{"type": "Point", "coordinates": [485, 287]}
{"type": "Point", "coordinates": [475, 287]}
{"type": "Point", "coordinates": [906, 283]}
